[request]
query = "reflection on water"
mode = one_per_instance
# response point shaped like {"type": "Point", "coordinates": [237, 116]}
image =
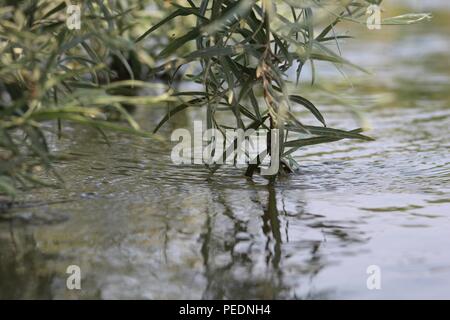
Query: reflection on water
{"type": "Point", "coordinates": [140, 227]}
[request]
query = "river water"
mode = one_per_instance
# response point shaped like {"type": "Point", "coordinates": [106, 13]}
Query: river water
{"type": "Point", "coordinates": [141, 227]}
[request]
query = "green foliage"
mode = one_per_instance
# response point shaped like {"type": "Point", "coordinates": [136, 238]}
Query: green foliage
{"type": "Point", "coordinates": [49, 73]}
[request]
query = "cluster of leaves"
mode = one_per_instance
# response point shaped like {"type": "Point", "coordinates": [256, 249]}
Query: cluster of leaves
{"type": "Point", "coordinates": [243, 52]}
{"type": "Point", "coordinates": [50, 75]}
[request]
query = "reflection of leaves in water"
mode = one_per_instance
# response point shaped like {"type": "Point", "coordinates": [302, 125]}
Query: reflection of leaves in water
{"type": "Point", "coordinates": [237, 278]}
{"type": "Point", "coordinates": [243, 261]}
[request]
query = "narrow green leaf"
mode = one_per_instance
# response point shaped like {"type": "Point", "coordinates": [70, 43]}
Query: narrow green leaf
{"type": "Point", "coordinates": [192, 103]}
{"type": "Point", "coordinates": [177, 43]}
{"type": "Point", "coordinates": [308, 105]}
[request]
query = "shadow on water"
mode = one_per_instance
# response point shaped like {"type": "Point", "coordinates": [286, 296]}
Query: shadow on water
{"type": "Point", "coordinates": [252, 257]}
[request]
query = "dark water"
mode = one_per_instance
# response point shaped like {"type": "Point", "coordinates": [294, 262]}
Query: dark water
{"type": "Point", "coordinates": [141, 227]}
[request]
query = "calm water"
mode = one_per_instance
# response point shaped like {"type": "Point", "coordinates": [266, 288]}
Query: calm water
{"type": "Point", "coordinates": [141, 227]}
